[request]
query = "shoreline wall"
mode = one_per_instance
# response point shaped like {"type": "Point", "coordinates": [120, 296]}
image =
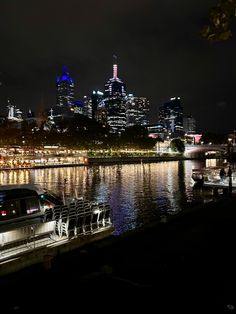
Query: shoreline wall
{"type": "Point", "coordinates": [136, 159]}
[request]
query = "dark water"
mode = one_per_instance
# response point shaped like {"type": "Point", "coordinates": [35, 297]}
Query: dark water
{"type": "Point", "coordinates": [137, 193]}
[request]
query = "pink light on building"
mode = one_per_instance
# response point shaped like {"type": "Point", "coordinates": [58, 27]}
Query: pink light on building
{"type": "Point", "coordinates": [197, 138]}
{"type": "Point", "coordinates": [115, 71]}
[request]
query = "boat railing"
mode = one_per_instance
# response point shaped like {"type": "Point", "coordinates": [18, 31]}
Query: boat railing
{"type": "Point", "coordinates": [25, 237]}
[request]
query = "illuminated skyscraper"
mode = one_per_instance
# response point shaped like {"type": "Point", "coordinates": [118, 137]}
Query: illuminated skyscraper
{"type": "Point", "coordinates": [97, 99]}
{"type": "Point", "coordinates": [137, 110]}
{"type": "Point", "coordinates": [87, 107]}
{"type": "Point", "coordinates": [65, 89]}
{"type": "Point", "coordinates": [14, 113]}
{"type": "Point", "coordinates": [115, 102]}
{"type": "Point", "coordinates": [114, 87]}
{"type": "Point", "coordinates": [189, 125]}
{"type": "Point", "coordinates": [171, 117]}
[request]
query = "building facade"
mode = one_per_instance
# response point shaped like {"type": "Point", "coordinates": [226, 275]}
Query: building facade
{"type": "Point", "coordinates": [65, 89]}
{"type": "Point", "coordinates": [137, 110]}
{"type": "Point", "coordinates": [171, 117]}
{"type": "Point", "coordinates": [189, 125]}
{"type": "Point", "coordinates": [115, 103]}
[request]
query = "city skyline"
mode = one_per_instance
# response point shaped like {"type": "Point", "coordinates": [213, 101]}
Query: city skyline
{"type": "Point", "coordinates": [159, 49]}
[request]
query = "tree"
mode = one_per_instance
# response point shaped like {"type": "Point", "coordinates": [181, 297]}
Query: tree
{"type": "Point", "coordinates": [220, 20]}
{"type": "Point", "coordinates": [177, 145]}
{"type": "Point", "coordinates": [136, 136]}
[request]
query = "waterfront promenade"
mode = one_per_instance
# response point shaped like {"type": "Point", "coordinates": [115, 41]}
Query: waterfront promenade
{"type": "Point", "coordinates": [97, 161]}
{"type": "Point", "coordinates": [186, 264]}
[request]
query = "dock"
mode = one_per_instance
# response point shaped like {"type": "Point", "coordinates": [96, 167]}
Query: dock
{"type": "Point", "coordinates": [44, 252]}
{"type": "Point", "coordinates": [186, 264]}
{"type": "Point", "coordinates": [62, 229]}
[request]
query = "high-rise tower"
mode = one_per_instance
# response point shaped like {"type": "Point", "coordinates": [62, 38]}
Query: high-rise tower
{"type": "Point", "coordinates": [14, 113]}
{"type": "Point", "coordinates": [65, 89]}
{"type": "Point", "coordinates": [137, 110]}
{"type": "Point", "coordinates": [114, 87]}
{"type": "Point", "coordinates": [171, 117]}
{"type": "Point", "coordinates": [115, 102]}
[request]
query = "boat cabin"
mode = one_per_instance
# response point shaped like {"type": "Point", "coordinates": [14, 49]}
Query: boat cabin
{"type": "Point", "coordinates": [24, 201]}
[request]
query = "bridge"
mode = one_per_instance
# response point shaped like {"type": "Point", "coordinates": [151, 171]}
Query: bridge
{"type": "Point", "coordinates": [193, 150]}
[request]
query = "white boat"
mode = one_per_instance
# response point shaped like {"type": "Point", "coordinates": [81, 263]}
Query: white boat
{"type": "Point", "coordinates": [210, 177]}
{"type": "Point", "coordinates": [21, 204]}
{"type": "Point", "coordinates": [200, 174]}
{"type": "Point", "coordinates": [214, 179]}
{"type": "Point", "coordinates": [29, 213]}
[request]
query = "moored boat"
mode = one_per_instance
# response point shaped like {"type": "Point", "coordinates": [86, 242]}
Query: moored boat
{"type": "Point", "coordinates": [22, 203]}
{"type": "Point", "coordinates": [32, 218]}
{"type": "Point", "coordinates": [200, 174]}
{"type": "Point", "coordinates": [219, 177]}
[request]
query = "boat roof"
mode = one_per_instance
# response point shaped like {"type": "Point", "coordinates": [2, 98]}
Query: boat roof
{"type": "Point", "coordinates": [34, 187]}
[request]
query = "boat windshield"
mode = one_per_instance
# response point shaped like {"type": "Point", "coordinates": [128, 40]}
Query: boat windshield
{"type": "Point", "coordinates": [18, 202]}
{"type": "Point", "coordinates": [52, 198]}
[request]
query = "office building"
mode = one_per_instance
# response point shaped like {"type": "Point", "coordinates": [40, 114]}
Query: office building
{"type": "Point", "coordinates": [189, 124]}
{"type": "Point", "coordinates": [65, 89]}
{"type": "Point", "coordinates": [137, 111]}
{"type": "Point", "coordinates": [171, 117]}
{"type": "Point", "coordinates": [115, 103]}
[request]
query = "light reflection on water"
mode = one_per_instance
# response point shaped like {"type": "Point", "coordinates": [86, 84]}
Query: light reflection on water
{"type": "Point", "coordinates": [137, 193]}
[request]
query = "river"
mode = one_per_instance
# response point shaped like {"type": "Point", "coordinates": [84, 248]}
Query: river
{"type": "Point", "coordinates": [138, 193]}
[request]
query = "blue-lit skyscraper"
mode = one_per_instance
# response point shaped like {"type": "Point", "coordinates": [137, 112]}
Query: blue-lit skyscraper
{"type": "Point", "coordinates": [65, 89]}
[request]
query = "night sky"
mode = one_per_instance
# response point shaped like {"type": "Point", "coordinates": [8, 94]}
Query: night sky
{"type": "Point", "coordinates": [159, 48]}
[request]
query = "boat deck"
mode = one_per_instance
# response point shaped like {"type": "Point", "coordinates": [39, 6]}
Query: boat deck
{"type": "Point", "coordinates": [14, 251]}
{"type": "Point", "coordinates": [218, 184]}
{"type": "Point", "coordinates": [43, 250]}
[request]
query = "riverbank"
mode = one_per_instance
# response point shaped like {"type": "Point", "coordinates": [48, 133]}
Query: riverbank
{"type": "Point", "coordinates": [137, 159]}
{"type": "Point", "coordinates": [186, 264]}
{"type": "Point", "coordinates": [107, 160]}
{"type": "Point", "coordinates": [43, 166]}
